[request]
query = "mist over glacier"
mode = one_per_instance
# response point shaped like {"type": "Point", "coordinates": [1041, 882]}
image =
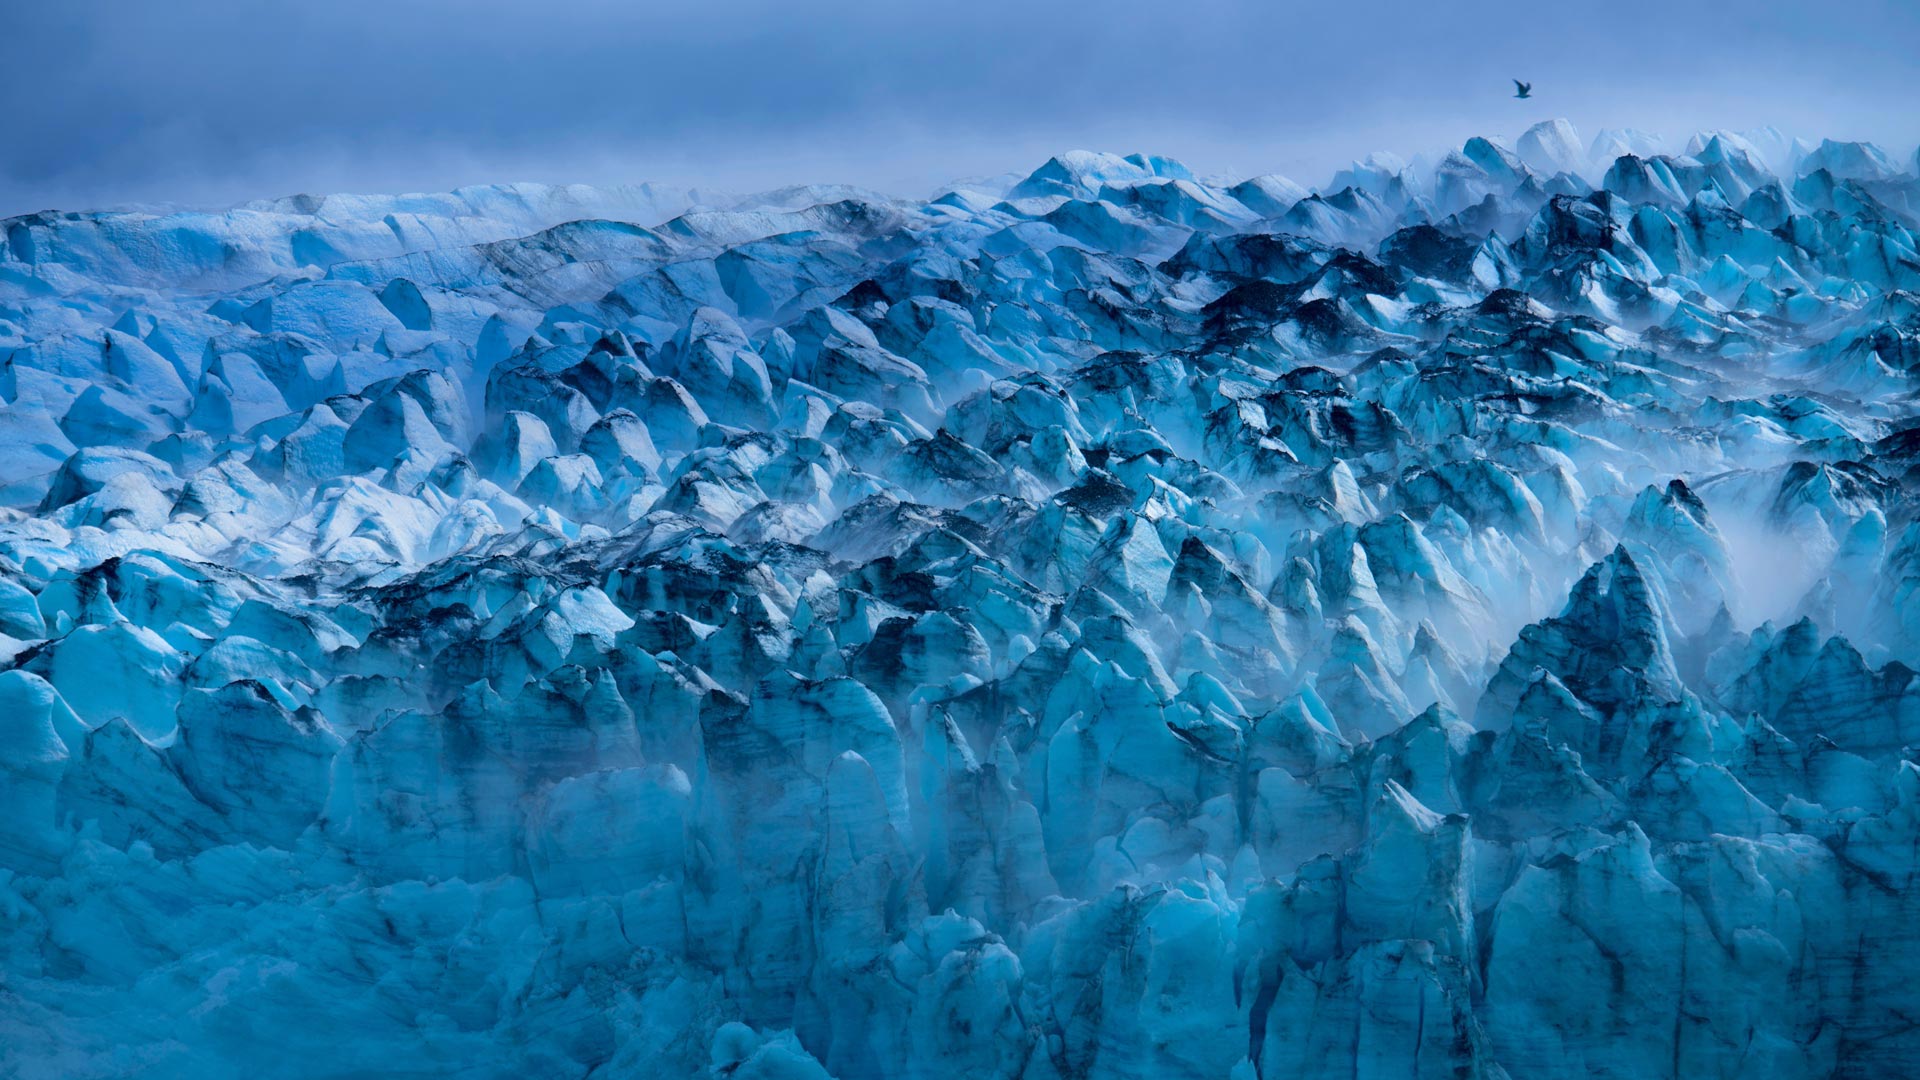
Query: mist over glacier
{"type": "Point", "coordinates": [119, 102]}
{"type": "Point", "coordinates": [1451, 618]}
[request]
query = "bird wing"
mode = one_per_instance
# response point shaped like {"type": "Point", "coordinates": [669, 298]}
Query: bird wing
{"type": "Point", "coordinates": [1522, 87]}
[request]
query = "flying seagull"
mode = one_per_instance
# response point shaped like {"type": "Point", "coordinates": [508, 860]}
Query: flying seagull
{"type": "Point", "coordinates": [1522, 89]}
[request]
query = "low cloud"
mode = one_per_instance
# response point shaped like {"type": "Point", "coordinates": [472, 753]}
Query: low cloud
{"type": "Point", "coordinates": [206, 102]}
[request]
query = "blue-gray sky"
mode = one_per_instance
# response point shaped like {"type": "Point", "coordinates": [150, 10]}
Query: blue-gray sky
{"type": "Point", "coordinates": [215, 101]}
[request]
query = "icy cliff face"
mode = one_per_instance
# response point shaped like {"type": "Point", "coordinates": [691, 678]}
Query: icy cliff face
{"type": "Point", "coordinates": [1452, 623]}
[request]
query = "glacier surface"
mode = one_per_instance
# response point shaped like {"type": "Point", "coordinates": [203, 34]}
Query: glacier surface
{"type": "Point", "coordinates": [1458, 621]}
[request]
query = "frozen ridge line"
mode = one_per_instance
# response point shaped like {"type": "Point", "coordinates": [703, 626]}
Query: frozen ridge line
{"type": "Point", "coordinates": [1458, 621]}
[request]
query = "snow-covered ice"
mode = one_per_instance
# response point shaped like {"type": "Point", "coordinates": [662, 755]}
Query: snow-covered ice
{"type": "Point", "coordinates": [1456, 621]}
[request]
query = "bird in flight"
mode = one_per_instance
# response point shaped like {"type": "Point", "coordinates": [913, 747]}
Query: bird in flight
{"type": "Point", "coordinates": [1522, 89]}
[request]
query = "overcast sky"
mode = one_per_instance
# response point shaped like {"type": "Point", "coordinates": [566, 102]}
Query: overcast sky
{"type": "Point", "coordinates": [207, 102]}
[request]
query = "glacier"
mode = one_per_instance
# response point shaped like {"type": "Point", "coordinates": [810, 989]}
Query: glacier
{"type": "Point", "coordinates": [1459, 620]}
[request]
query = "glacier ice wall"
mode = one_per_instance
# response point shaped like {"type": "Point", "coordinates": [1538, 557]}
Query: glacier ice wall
{"type": "Point", "coordinates": [1452, 623]}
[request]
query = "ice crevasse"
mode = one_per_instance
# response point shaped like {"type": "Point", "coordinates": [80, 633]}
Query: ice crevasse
{"type": "Point", "coordinates": [1456, 621]}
